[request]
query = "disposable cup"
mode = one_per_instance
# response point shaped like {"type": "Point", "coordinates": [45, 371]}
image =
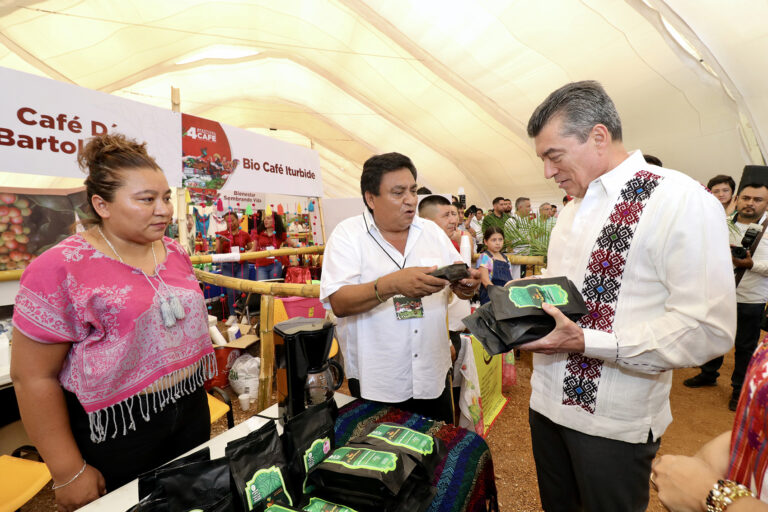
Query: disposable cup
{"type": "Point", "coordinates": [245, 401]}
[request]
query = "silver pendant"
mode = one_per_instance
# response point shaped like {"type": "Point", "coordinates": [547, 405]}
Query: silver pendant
{"type": "Point", "coordinates": [165, 310]}
{"type": "Point", "coordinates": [177, 308]}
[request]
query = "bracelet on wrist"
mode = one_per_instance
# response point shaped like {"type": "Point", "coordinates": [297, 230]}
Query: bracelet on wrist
{"type": "Point", "coordinates": [82, 469]}
{"type": "Point", "coordinates": [376, 291]}
{"type": "Point", "coordinates": [724, 493]}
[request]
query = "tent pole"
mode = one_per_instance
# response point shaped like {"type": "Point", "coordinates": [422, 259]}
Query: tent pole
{"type": "Point", "coordinates": [322, 221]}
{"type": "Point", "coordinates": [181, 194]}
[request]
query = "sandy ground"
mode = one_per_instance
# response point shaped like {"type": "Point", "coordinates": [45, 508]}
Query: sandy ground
{"type": "Point", "coordinates": [700, 414]}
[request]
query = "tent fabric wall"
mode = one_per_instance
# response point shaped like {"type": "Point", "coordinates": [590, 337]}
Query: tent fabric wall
{"type": "Point", "coordinates": [449, 83]}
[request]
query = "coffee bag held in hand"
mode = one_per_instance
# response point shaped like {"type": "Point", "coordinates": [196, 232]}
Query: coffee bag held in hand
{"type": "Point", "coordinates": [515, 315]}
{"type": "Point", "coordinates": [259, 469]}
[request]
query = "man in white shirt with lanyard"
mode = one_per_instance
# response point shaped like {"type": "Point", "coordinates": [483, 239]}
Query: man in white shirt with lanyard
{"type": "Point", "coordinates": [376, 280]}
{"type": "Point", "coordinates": [648, 248]}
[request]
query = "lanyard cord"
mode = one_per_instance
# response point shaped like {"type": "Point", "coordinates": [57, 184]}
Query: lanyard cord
{"type": "Point", "coordinates": [368, 230]}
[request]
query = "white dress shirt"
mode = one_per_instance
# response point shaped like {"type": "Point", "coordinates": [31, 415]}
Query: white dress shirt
{"type": "Point", "coordinates": [475, 224]}
{"type": "Point", "coordinates": [753, 288]}
{"type": "Point", "coordinates": [676, 306]}
{"type": "Point", "coordinates": [395, 360]}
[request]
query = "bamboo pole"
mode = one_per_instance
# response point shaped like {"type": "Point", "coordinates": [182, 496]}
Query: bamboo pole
{"type": "Point", "coordinates": [260, 287]}
{"type": "Point", "coordinates": [10, 275]}
{"type": "Point", "coordinates": [266, 320]}
{"type": "Point", "coordinates": [247, 256]}
{"type": "Point", "coordinates": [516, 259]}
{"type": "Point", "coordinates": [322, 222]}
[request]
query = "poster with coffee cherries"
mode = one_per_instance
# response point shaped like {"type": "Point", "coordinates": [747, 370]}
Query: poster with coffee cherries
{"type": "Point", "coordinates": [34, 220]}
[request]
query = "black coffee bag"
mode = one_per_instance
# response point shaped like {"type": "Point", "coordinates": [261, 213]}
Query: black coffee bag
{"type": "Point", "coordinates": [308, 439]}
{"type": "Point", "coordinates": [515, 316]}
{"type": "Point", "coordinates": [362, 477]}
{"type": "Point", "coordinates": [320, 505]}
{"type": "Point", "coordinates": [424, 449]}
{"type": "Point", "coordinates": [259, 469]}
{"type": "Point", "coordinates": [523, 299]}
{"type": "Point", "coordinates": [147, 481]}
{"type": "Point", "coordinates": [483, 326]}
{"type": "Point", "coordinates": [200, 485]}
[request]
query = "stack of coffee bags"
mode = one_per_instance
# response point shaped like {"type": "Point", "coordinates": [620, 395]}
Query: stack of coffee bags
{"type": "Point", "coordinates": [514, 314]}
{"type": "Point", "coordinates": [389, 468]}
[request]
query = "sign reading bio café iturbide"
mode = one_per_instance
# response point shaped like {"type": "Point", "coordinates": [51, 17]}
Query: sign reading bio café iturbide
{"type": "Point", "coordinates": [232, 163]}
{"type": "Point", "coordinates": [44, 123]}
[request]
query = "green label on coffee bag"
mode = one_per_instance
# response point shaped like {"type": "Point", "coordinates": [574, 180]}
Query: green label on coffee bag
{"type": "Point", "coordinates": [318, 505]}
{"type": "Point", "coordinates": [314, 456]}
{"type": "Point", "coordinates": [405, 438]}
{"type": "Point", "coordinates": [267, 485]}
{"type": "Point", "coordinates": [533, 295]}
{"type": "Point", "coordinates": [364, 458]}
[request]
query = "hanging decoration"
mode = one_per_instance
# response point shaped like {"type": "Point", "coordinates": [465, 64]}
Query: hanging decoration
{"type": "Point", "coordinates": [280, 210]}
{"type": "Point", "coordinates": [311, 206]}
{"type": "Point", "coordinates": [268, 210]}
{"type": "Point", "coordinates": [248, 210]}
{"type": "Point", "coordinates": [220, 205]}
{"type": "Point", "coordinates": [187, 197]}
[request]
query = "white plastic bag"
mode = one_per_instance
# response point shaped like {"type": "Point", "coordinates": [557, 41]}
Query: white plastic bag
{"type": "Point", "coordinates": [244, 375]}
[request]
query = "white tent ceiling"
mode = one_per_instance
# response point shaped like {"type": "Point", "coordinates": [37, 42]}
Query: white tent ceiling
{"type": "Point", "coordinates": [449, 83]}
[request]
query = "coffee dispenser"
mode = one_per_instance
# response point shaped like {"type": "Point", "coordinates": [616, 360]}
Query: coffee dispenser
{"type": "Point", "coordinates": [305, 374]}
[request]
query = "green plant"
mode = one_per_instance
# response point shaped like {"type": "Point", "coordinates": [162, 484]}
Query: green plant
{"type": "Point", "coordinates": [528, 237]}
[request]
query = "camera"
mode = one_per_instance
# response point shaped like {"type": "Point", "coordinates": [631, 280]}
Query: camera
{"type": "Point", "coordinates": [740, 252]}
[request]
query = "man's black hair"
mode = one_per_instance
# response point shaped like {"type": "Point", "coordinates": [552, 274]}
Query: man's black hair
{"type": "Point", "coordinates": [653, 160]}
{"type": "Point", "coordinates": [433, 200]}
{"type": "Point", "coordinates": [581, 105]}
{"type": "Point", "coordinates": [496, 200]}
{"type": "Point", "coordinates": [376, 167]}
{"type": "Point", "coordinates": [423, 191]}
{"type": "Point", "coordinates": [752, 185]}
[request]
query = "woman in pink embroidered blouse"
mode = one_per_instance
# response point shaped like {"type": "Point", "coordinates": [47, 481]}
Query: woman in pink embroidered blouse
{"type": "Point", "coordinates": [111, 345]}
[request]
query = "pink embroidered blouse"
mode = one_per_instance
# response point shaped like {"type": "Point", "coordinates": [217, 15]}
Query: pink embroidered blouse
{"type": "Point", "coordinates": [73, 293]}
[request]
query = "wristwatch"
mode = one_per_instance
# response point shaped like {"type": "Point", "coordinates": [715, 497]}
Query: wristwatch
{"type": "Point", "coordinates": [724, 493]}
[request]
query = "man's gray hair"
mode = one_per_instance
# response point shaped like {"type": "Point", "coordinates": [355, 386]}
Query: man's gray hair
{"type": "Point", "coordinates": [582, 105]}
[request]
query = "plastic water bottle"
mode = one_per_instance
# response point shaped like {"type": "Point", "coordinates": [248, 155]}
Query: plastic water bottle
{"type": "Point", "coordinates": [465, 249]}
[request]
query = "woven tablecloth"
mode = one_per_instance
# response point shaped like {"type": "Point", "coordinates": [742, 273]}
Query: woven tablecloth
{"type": "Point", "coordinates": [464, 479]}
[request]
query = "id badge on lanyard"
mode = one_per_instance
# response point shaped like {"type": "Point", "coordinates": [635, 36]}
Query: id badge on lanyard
{"type": "Point", "coordinates": [405, 307]}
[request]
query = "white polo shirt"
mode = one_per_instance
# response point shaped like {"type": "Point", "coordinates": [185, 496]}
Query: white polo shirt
{"type": "Point", "coordinates": [395, 360]}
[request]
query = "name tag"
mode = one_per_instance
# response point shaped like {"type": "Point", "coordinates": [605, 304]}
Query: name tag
{"type": "Point", "coordinates": [407, 307]}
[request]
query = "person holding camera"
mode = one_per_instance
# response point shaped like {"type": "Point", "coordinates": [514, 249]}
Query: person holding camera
{"type": "Point", "coordinates": [749, 251]}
